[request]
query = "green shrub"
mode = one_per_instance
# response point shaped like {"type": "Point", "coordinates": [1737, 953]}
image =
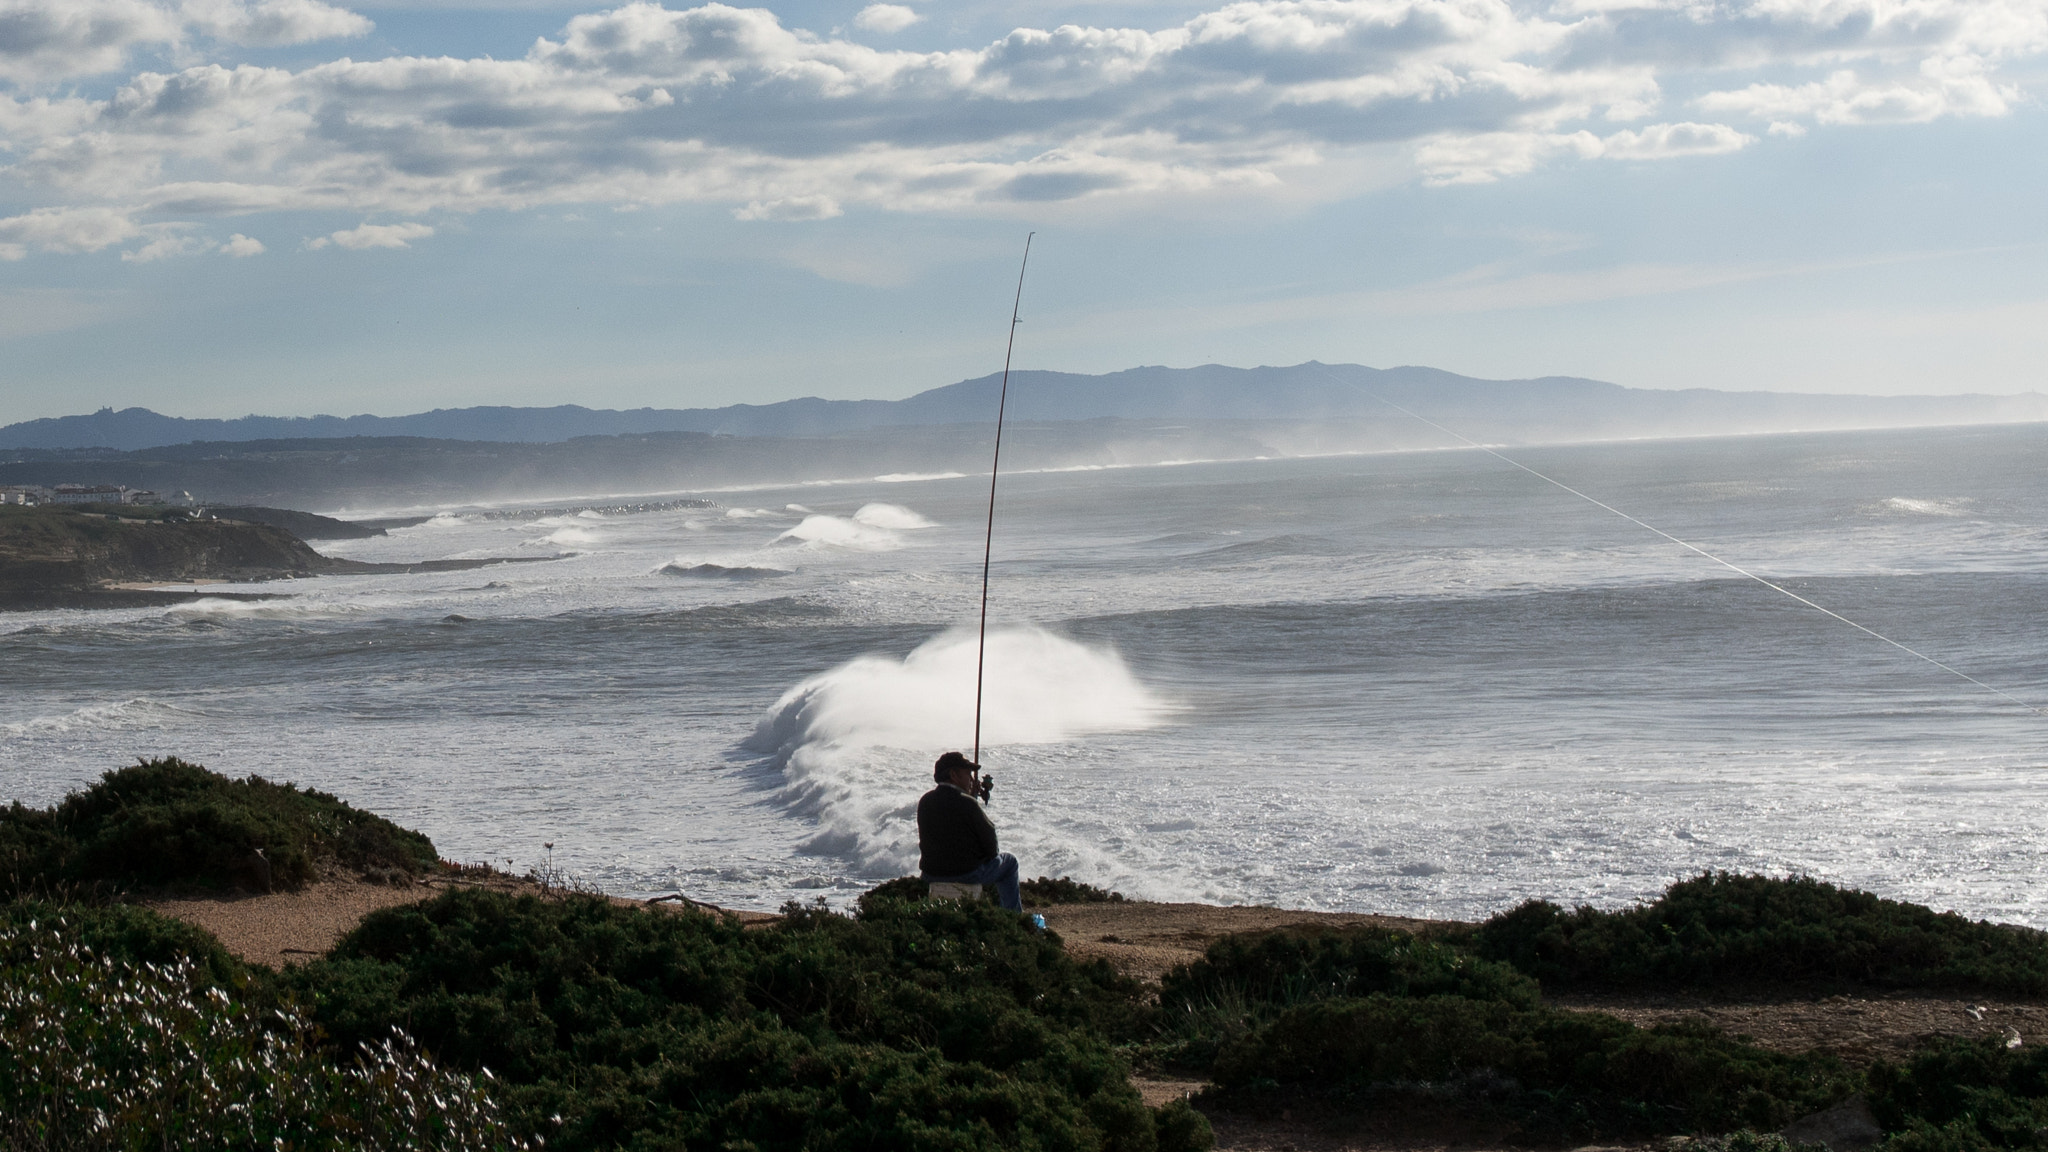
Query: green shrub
{"type": "Point", "coordinates": [1040, 893]}
{"type": "Point", "coordinates": [918, 1025]}
{"type": "Point", "coordinates": [1963, 1095]}
{"type": "Point", "coordinates": [1244, 981]}
{"type": "Point", "coordinates": [168, 823]}
{"type": "Point", "coordinates": [103, 1050]}
{"type": "Point", "coordinates": [1746, 1141]}
{"type": "Point", "coordinates": [133, 936]}
{"type": "Point", "coordinates": [1721, 929]}
{"type": "Point", "coordinates": [1046, 891]}
{"type": "Point", "coordinates": [1556, 1075]}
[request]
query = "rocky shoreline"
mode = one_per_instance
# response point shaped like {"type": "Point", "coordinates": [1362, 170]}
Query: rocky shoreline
{"type": "Point", "coordinates": [91, 556]}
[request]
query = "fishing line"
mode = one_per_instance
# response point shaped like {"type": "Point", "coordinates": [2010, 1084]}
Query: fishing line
{"type": "Point", "coordinates": [1732, 567]}
{"type": "Point", "coordinates": [988, 541]}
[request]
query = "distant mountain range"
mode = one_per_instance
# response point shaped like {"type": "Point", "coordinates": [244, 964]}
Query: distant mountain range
{"type": "Point", "coordinates": [1548, 408]}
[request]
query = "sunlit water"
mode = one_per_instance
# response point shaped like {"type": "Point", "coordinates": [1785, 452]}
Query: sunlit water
{"type": "Point", "coordinates": [1427, 683]}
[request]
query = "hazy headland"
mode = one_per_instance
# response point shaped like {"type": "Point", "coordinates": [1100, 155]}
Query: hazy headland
{"type": "Point", "coordinates": [1058, 420]}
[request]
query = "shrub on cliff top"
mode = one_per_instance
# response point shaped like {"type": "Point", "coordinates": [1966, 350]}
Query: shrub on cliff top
{"type": "Point", "coordinates": [1964, 1096]}
{"type": "Point", "coordinates": [1043, 892]}
{"type": "Point", "coordinates": [110, 1043]}
{"type": "Point", "coordinates": [1243, 982]}
{"type": "Point", "coordinates": [1549, 1074]}
{"type": "Point", "coordinates": [1366, 1019]}
{"type": "Point", "coordinates": [162, 823]}
{"type": "Point", "coordinates": [918, 1025]}
{"type": "Point", "coordinates": [1722, 929]}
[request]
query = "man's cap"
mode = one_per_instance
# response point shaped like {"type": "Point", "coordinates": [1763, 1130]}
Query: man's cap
{"type": "Point", "coordinates": [952, 762]}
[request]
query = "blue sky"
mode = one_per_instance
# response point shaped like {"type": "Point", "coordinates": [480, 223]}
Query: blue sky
{"type": "Point", "coordinates": [216, 207]}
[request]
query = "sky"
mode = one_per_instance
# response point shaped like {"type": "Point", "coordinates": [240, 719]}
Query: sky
{"type": "Point", "coordinates": [288, 207]}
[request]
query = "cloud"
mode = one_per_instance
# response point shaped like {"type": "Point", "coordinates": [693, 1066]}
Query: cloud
{"type": "Point", "coordinates": [269, 23]}
{"type": "Point", "coordinates": [1483, 159]}
{"type": "Point", "coordinates": [167, 244]}
{"type": "Point", "coordinates": [239, 245]}
{"type": "Point", "coordinates": [1942, 88]}
{"type": "Point", "coordinates": [69, 230]}
{"type": "Point", "coordinates": [886, 18]}
{"type": "Point", "coordinates": [715, 104]}
{"type": "Point", "coordinates": [52, 40]}
{"type": "Point", "coordinates": [374, 236]}
{"type": "Point", "coordinates": [790, 208]}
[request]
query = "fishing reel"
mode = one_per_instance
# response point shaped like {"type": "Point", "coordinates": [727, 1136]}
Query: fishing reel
{"type": "Point", "coordinates": [986, 785]}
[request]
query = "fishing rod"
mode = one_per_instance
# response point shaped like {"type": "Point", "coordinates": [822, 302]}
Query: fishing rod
{"type": "Point", "coordinates": [988, 541]}
{"type": "Point", "coordinates": [1731, 566]}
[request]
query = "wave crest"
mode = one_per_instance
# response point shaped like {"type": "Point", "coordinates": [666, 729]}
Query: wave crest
{"type": "Point", "coordinates": [854, 745]}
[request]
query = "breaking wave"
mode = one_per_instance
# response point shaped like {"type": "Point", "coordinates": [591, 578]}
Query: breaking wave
{"type": "Point", "coordinates": [719, 572]}
{"type": "Point", "coordinates": [854, 745]}
{"type": "Point", "coordinates": [1928, 507]}
{"type": "Point", "coordinates": [136, 712]}
{"type": "Point", "coordinates": [874, 528]}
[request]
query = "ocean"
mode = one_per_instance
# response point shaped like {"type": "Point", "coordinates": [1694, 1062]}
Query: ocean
{"type": "Point", "coordinates": [1422, 683]}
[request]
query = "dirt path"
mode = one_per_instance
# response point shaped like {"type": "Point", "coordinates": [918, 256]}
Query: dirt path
{"type": "Point", "coordinates": [1860, 1030]}
{"type": "Point", "coordinates": [279, 928]}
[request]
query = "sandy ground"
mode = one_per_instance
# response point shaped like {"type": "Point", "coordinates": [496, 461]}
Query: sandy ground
{"type": "Point", "coordinates": [280, 928]}
{"type": "Point", "coordinates": [1858, 1030]}
{"type": "Point", "coordinates": [1148, 940]}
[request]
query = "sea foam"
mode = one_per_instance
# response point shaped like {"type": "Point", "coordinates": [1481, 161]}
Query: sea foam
{"type": "Point", "coordinates": [853, 744]}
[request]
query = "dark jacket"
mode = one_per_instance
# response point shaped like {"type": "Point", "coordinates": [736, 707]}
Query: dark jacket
{"type": "Point", "coordinates": [954, 836]}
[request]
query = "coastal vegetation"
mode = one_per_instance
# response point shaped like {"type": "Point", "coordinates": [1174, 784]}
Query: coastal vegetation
{"type": "Point", "coordinates": [488, 1018]}
{"type": "Point", "coordinates": [120, 1031]}
{"type": "Point", "coordinates": [1372, 1020]}
{"type": "Point", "coordinates": [165, 823]}
{"type": "Point", "coordinates": [1721, 930]}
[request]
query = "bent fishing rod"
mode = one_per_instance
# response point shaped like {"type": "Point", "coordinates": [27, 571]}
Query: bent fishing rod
{"type": "Point", "coordinates": [1690, 546]}
{"type": "Point", "coordinates": [988, 540]}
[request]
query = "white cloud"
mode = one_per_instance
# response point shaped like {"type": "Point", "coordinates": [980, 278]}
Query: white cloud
{"type": "Point", "coordinates": [240, 245]}
{"type": "Point", "coordinates": [1942, 87]}
{"type": "Point", "coordinates": [167, 243]}
{"type": "Point", "coordinates": [1663, 141]}
{"type": "Point", "coordinates": [68, 230]}
{"type": "Point", "coordinates": [790, 208]}
{"type": "Point", "coordinates": [886, 18]}
{"type": "Point", "coordinates": [52, 40]}
{"type": "Point", "coordinates": [374, 236]}
{"type": "Point", "coordinates": [272, 22]}
{"type": "Point", "coordinates": [1482, 159]}
{"type": "Point", "coordinates": [642, 104]}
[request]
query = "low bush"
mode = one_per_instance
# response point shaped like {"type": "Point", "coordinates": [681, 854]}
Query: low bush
{"type": "Point", "coordinates": [1963, 1096]}
{"type": "Point", "coordinates": [165, 823]}
{"type": "Point", "coordinates": [110, 1044]}
{"type": "Point", "coordinates": [1047, 891]}
{"type": "Point", "coordinates": [1043, 892]}
{"type": "Point", "coordinates": [916, 1025]}
{"type": "Point", "coordinates": [1722, 929]}
{"type": "Point", "coordinates": [1552, 1074]}
{"type": "Point", "coordinates": [1242, 982]}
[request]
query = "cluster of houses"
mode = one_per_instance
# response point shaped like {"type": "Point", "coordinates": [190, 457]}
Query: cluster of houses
{"type": "Point", "coordinates": [79, 494]}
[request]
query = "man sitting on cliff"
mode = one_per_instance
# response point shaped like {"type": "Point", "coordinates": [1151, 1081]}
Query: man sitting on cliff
{"type": "Point", "coordinates": [956, 843]}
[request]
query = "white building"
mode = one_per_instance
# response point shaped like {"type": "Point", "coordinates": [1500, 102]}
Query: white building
{"type": "Point", "coordinates": [102, 494]}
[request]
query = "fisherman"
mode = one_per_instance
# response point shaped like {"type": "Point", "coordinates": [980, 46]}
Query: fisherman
{"type": "Point", "coordinates": [956, 843]}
